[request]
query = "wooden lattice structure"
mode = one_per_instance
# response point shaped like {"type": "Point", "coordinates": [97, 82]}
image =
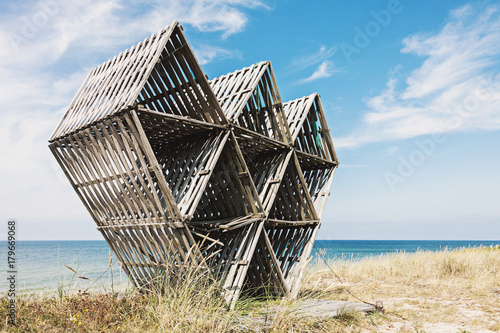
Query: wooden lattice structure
{"type": "Point", "coordinates": [175, 169]}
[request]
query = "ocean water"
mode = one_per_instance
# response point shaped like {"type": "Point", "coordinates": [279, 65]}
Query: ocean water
{"type": "Point", "coordinates": [40, 265]}
{"type": "Point", "coordinates": [358, 249]}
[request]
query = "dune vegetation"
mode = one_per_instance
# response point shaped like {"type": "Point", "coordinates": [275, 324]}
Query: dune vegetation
{"type": "Point", "coordinates": [445, 291]}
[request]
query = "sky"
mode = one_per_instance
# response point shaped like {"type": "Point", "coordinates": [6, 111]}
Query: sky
{"type": "Point", "coordinates": [411, 91]}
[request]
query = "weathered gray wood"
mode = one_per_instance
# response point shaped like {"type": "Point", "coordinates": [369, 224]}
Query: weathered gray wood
{"type": "Point", "coordinates": [179, 172]}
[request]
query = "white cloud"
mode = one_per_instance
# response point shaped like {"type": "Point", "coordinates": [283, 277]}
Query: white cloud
{"type": "Point", "coordinates": [321, 55]}
{"type": "Point", "coordinates": [205, 15]}
{"type": "Point", "coordinates": [325, 69]}
{"type": "Point", "coordinates": [389, 151]}
{"type": "Point", "coordinates": [46, 49]}
{"type": "Point", "coordinates": [49, 27]}
{"type": "Point", "coordinates": [456, 88]}
{"type": "Point", "coordinates": [207, 53]}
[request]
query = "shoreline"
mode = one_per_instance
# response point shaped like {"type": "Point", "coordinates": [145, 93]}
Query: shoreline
{"type": "Point", "coordinates": [446, 291]}
{"type": "Point", "coordinates": [66, 278]}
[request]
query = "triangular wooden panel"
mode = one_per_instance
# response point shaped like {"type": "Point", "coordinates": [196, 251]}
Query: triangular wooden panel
{"type": "Point", "coordinates": [290, 248]}
{"type": "Point", "coordinates": [309, 129]}
{"type": "Point", "coordinates": [264, 275]}
{"type": "Point", "coordinates": [228, 253]}
{"type": "Point", "coordinates": [318, 176]}
{"type": "Point", "coordinates": [315, 151]}
{"type": "Point", "coordinates": [114, 85]}
{"type": "Point", "coordinates": [266, 162]}
{"type": "Point", "coordinates": [267, 170]}
{"type": "Point", "coordinates": [293, 202]}
{"type": "Point", "coordinates": [119, 182]}
{"type": "Point", "coordinates": [230, 192]}
{"type": "Point", "coordinates": [220, 247]}
{"type": "Point", "coordinates": [296, 112]}
{"type": "Point", "coordinates": [187, 156]}
{"type": "Point", "coordinates": [250, 99]}
{"type": "Point", "coordinates": [178, 86]}
{"type": "Point", "coordinates": [151, 255]}
{"type": "Point", "coordinates": [161, 72]}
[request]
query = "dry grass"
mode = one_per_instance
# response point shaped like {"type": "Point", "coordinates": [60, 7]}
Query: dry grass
{"type": "Point", "coordinates": [446, 291]}
{"type": "Point", "coordinates": [455, 291]}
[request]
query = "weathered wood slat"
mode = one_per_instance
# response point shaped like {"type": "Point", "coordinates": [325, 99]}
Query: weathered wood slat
{"type": "Point", "coordinates": [179, 172]}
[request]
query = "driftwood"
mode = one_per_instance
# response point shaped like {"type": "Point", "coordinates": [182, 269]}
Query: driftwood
{"type": "Point", "coordinates": [177, 170]}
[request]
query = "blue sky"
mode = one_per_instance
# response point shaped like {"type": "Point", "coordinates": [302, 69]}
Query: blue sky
{"type": "Point", "coordinates": [411, 90]}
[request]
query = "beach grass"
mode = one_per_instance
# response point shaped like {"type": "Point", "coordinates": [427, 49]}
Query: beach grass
{"type": "Point", "coordinates": [445, 291]}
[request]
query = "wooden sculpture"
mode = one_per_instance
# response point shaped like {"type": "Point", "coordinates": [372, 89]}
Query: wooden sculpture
{"type": "Point", "coordinates": [175, 169]}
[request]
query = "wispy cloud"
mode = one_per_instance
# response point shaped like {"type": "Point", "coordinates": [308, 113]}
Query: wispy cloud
{"type": "Point", "coordinates": [456, 88]}
{"type": "Point", "coordinates": [389, 151]}
{"type": "Point", "coordinates": [322, 54]}
{"type": "Point", "coordinates": [46, 49]}
{"type": "Point", "coordinates": [211, 15]}
{"type": "Point", "coordinates": [325, 69]}
{"type": "Point", "coordinates": [207, 53]}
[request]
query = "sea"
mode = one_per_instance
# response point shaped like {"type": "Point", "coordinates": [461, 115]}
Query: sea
{"type": "Point", "coordinates": [63, 267]}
